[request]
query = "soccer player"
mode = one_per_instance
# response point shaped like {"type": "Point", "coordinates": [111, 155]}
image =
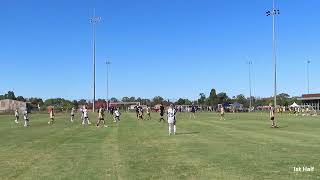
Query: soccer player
{"type": "Point", "coordinates": [161, 113]}
{"type": "Point", "coordinates": [272, 118]}
{"type": "Point", "coordinates": [26, 118]}
{"type": "Point", "coordinates": [148, 112]}
{"type": "Point", "coordinates": [51, 114]}
{"type": "Point", "coordinates": [101, 117]}
{"type": "Point", "coordinates": [193, 111]}
{"type": "Point", "coordinates": [137, 111]}
{"type": "Point", "coordinates": [85, 116]}
{"type": "Point", "coordinates": [171, 118]}
{"type": "Point", "coordinates": [117, 115]}
{"type": "Point", "coordinates": [16, 114]}
{"type": "Point", "coordinates": [222, 113]}
{"type": "Point", "coordinates": [82, 114]}
{"type": "Point", "coordinates": [72, 114]}
{"type": "Point", "coordinates": [140, 114]}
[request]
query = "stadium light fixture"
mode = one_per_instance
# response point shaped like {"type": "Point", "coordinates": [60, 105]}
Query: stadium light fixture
{"type": "Point", "coordinates": [273, 13]}
{"type": "Point", "coordinates": [94, 21]}
{"type": "Point", "coordinates": [108, 64]}
{"type": "Point", "coordinates": [308, 77]}
{"type": "Point", "coordinates": [250, 100]}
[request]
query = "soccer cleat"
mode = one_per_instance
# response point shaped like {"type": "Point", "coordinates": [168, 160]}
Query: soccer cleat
{"type": "Point", "coordinates": [89, 122]}
{"type": "Point", "coordinates": [105, 126]}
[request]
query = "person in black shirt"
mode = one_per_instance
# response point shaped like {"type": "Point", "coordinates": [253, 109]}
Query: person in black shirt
{"type": "Point", "coordinates": [137, 111]}
{"type": "Point", "coordinates": [161, 113]}
{"type": "Point", "coordinates": [193, 111]}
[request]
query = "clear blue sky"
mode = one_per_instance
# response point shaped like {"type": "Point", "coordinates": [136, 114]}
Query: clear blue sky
{"type": "Point", "coordinates": [172, 48]}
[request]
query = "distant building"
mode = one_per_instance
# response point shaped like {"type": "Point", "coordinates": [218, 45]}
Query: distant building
{"type": "Point", "coordinates": [8, 105]}
{"type": "Point", "coordinates": [312, 100]}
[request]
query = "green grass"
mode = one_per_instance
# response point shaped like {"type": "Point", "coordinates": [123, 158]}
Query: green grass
{"type": "Point", "coordinates": [242, 147]}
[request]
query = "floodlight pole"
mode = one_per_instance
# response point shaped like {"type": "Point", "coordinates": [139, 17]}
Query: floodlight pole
{"type": "Point", "coordinates": [308, 77]}
{"type": "Point", "coordinates": [273, 13]}
{"type": "Point", "coordinates": [108, 64]}
{"type": "Point", "coordinates": [250, 100]}
{"type": "Point", "coordinates": [94, 20]}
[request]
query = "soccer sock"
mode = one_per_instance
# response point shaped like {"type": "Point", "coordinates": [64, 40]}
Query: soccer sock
{"type": "Point", "coordinates": [169, 128]}
{"type": "Point", "coordinates": [174, 128]}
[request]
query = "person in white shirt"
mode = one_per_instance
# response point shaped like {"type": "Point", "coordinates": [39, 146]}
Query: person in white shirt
{"type": "Point", "coordinates": [16, 114]}
{"type": "Point", "coordinates": [26, 118]}
{"type": "Point", "coordinates": [117, 115]}
{"type": "Point", "coordinates": [85, 116]}
{"type": "Point", "coordinates": [171, 119]}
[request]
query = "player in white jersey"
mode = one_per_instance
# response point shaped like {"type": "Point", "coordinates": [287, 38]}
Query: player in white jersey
{"type": "Point", "coordinates": [171, 118]}
{"type": "Point", "coordinates": [117, 115]}
{"type": "Point", "coordinates": [26, 118]}
{"type": "Point", "coordinates": [85, 116]}
{"type": "Point", "coordinates": [72, 114]}
{"type": "Point", "coordinates": [16, 114]}
{"type": "Point", "coordinates": [148, 112]}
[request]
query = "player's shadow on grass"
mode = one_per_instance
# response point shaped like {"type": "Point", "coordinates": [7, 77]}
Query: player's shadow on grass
{"type": "Point", "coordinates": [187, 133]}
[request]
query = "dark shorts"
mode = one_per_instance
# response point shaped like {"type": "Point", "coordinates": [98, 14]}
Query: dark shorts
{"type": "Point", "coordinates": [272, 118]}
{"type": "Point", "coordinates": [101, 119]}
{"type": "Point", "coordinates": [72, 115]}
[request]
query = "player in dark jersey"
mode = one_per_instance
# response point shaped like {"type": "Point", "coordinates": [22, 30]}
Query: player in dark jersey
{"type": "Point", "coordinates": [137, 111]}
{"type": "Point", "coordinates": [161, 113]}
{"type": "Point", "coordinates": [193, 111]}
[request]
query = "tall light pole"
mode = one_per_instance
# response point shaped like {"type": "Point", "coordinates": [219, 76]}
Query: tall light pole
{"type": "Point", "coordinates": [94, 20]}
{"type": "Point", "coordinates": [108, 64]}
{"type": "Point", "coordinates": [308, 80]}
{"type": "Point", "coordinates": [250, 100]}
{"type": "Point", "coordinates": [273, 13]}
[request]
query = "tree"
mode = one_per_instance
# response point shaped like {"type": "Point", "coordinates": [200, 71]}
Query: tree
{"type": "Point", "coordinates": [125, 99]}
{"type": "Point", "coordinates": [182, 101]}
{"type": "Point", "coordinates": [75, 103]}
{"type": "Point", "coordinates": [202, 98]}
{"type": "Point", "coordinates": [20, 98]}
{"type": "Point", "coordinates": [212, 99]}
{"type": "Point", "coordinates": [157, 100]}
{"type": "Point", "coordinates": [113, 99]}
{"type": "Point", "coordinates": [222, 97]}
{"type": "Point", "coordinates": [10, 95]}
{"type": "Point", "coordinates": [241, 99]}
{"type": "Point", "coordinates": [82, 102]}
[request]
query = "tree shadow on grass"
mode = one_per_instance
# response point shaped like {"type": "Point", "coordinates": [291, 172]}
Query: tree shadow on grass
{"type": "Point", "coordinates": [182, 133]}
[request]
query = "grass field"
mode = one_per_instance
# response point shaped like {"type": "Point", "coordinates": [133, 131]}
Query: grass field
{"type": "Point", "coordinates": [242, 147]}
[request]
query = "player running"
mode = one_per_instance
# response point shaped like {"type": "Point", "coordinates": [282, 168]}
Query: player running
{"type": "Point", "coordinates": [140, 113]}
{"type": "Point", "coordinates": [16, 114]}
{"type": "Point", "coordinates": [51, 114]}
{"type": "Point", "coordinates": [117, 115]}
{"type": "Point", "coordinates": [161, 113]}
{"type": "Point", "coordinates": [85, 116]}
{"type": "Point", "coordinates": [26, 118]}
{"type": "Point", "coordinates": [72, 114]}
{"type": "Point", "coordinates": [101, 117]}
{"type": "Point", "coordinates": [171, 120]}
